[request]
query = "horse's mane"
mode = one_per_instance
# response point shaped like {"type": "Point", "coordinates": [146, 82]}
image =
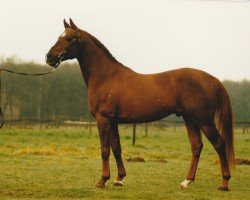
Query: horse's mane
{"type": "Point", "coordinates": [102, 47]}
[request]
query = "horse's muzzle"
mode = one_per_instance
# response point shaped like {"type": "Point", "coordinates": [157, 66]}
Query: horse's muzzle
{"type": "Point", "coordinates": [53, 61]}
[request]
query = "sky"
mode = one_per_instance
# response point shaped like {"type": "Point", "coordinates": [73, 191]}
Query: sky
{"type": "Point", "coordinates": [148, 36]}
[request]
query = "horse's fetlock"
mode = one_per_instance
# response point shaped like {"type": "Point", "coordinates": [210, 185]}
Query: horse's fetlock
{"type": "Point", "coordinates": [227, 177]}
{"type": "Point", "coordinates": [106, 177]}
{"type": "Point", "coordinates": [122, 175]}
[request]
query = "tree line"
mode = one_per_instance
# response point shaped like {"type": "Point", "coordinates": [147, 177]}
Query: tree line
{"type": "Point", "coordinates": [59, 94]}
{"type": "Point", "coordinates": [63, 94]}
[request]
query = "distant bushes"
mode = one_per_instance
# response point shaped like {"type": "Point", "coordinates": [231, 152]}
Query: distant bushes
{"type": "Point", "coordinates": [239, 93]}
{"type": "Point", "coordinates": [62, 93]}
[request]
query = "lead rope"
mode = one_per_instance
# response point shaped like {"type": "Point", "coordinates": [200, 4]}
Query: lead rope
{"type": "Point", "coordinates": [13, 72]}
{"type": "Point", "coordinates": [25, 74]}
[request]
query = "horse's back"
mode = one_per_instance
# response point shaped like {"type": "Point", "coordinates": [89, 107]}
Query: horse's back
{"type": "Point", "coordinates": [136, 97]}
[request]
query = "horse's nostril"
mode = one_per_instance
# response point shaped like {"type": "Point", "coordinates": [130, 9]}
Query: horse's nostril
{"type": "Point", "coordinates": [49, 57]}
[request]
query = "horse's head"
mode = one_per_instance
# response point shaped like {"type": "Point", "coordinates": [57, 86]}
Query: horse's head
{"type": "Point", "coordinates": [67, 46]}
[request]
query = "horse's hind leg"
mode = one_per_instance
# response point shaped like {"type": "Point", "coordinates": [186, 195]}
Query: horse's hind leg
{"type": "Point", "coordinates": [116, 148]}
{"type": "Point", "coordinates": [194, 136]}
{"type": "Point", "coordinates": [218, 143]}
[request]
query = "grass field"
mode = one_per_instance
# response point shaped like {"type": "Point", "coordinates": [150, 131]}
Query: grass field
{"type": "Point", "coordinates": [65, 163]}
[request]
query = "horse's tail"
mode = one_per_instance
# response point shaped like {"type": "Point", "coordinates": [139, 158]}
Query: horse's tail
{"type": "Point", "coordinates": [225, 123]}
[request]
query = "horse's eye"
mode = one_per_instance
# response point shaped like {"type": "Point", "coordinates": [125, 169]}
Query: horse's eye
{"type": "Point", "coordinates": [68, 38]}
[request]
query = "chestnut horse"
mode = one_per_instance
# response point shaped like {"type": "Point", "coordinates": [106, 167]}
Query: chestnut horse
{"type": "Point", "coordinates": [117, 94]}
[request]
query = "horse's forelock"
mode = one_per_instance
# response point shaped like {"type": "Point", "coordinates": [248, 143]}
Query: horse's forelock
{"type": "Point", "coordinates": [66, 31]}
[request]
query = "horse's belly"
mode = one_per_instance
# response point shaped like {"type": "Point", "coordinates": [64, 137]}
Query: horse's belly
{"type": "Point", "coordinates": [142, 115]}
{"type": "Point", "coordinates": [140, 119]}
{"type": "Point", "coordinates": [145, 107]}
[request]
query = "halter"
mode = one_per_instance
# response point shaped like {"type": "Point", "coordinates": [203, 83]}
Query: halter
{"type": "Point", "coordinates": [62, 55]}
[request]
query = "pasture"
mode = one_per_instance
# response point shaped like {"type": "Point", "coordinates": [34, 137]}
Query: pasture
{"type": "Point", "coordinates": [65, 163]}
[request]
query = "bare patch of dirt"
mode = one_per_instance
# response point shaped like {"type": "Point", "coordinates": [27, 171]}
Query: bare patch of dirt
{"type": "Point", "coordinates": [159, 160]}
{"type": "Point", "coordinates": [136, 159]}
{"type": "Point", "coordinates": [239, 161]}
{"type": "Point", "coordinates": [141, 146]}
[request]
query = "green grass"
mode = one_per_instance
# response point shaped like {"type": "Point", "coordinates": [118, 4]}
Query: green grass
{"type": "Point", "coordinates": [65, 163]}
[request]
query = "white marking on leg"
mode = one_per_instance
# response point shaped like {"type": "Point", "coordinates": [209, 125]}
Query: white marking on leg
{"type": "Point", "coordinates": [119, 183]}
{"type": "Point", "coordinates": [185, 183]}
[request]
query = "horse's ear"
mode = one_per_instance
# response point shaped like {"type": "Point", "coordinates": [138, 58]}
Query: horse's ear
{"type": "Point", "coordinates": [66, 25]}
{"type": "Point", "coordinates": [73, 26]}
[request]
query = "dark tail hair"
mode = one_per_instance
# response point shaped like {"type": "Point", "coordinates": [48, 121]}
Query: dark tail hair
{"type": "Point", "coordinates": [225, 123]}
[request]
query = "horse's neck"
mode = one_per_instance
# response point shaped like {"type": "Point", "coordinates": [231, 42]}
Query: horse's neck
{"type": "Point", "coordinates": [96, 67]}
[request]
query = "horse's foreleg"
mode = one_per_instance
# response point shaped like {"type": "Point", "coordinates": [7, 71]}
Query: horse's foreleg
{"type": "Point", "coordinates": [104, 128]}
{"type": "Point", "coordinates": [116, 148]}
{"type": "Point", "coordinates": [218, 143]}
{"type": "Point", "coordinates": [194, 136]}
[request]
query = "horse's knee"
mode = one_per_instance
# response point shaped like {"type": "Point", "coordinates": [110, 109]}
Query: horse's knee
{"type": "Point", "coordinates": [196, 150]}
{"type": "Point", "coordinates": [105, 154]}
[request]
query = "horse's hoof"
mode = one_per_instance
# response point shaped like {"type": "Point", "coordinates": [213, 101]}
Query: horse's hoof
{"type": "Point", "coordinates": [185, 183]}
{"type": "Point", "coordinates": [118, 183]}
{"type": "Point", "coordinates": [181, 187]}
{"type": "Point", "coordinates": [221, 188]}
{"type": "Point", "coordinates": [100, 184]}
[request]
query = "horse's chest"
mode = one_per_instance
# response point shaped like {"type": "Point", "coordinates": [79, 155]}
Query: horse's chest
{"type": "Point", "coordinates": [104, 104]}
